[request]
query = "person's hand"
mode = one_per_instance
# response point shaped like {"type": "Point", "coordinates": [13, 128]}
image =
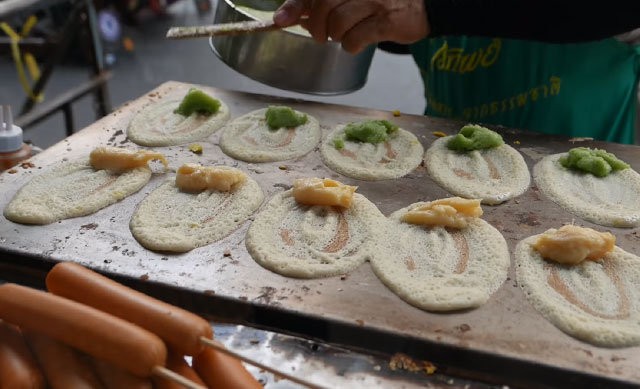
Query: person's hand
{"type": "Point", "coordinates": [357, 23]}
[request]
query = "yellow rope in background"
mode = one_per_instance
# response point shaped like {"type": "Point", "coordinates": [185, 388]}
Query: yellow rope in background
{"type": "Point", "coordinates": [29, 60]}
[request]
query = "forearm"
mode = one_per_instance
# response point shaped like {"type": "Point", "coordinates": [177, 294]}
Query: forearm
{"type": "Point", "coordinates": [543, 20]}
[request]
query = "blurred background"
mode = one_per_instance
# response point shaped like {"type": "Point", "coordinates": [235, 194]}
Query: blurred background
{"type": "Point", "coordinates": [115, 49]}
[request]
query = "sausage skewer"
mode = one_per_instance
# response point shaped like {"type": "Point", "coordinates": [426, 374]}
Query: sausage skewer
{"type": "Point", "coordinates": [173, 324]}
{"type": "Point", "coordinates": [94, 332]}
{"type": "Point", "coordinates": [179, 328]}
{"type": "Point", "coordinates": [219, 347]}
{"type": "Point", "coordinates": [176, 363]}
{"type": "Point", "coordinates": [115, 378]}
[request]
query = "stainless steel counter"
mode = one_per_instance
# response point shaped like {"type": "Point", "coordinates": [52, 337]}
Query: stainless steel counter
{"type": "Point", "coordinates": [504, 341]}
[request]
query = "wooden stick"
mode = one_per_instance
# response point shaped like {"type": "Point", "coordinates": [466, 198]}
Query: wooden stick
{"type": "Point", "coordinates": [236, 28]}
{"type": "Point", "coordinates": [220, 347]}
{"type": "Point", "coordinates": [163, 372]}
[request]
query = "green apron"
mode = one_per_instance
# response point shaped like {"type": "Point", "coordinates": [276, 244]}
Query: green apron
{"type": "Point", "coordinates": [577, 90]}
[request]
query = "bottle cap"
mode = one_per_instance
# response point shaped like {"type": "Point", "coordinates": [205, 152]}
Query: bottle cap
{"type": "Point", "coordinates": [10, 140]}
{"type": "Point", "coordinates": [10, 134]}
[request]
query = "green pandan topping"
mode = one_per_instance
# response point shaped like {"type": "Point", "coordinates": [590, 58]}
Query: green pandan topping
{"type": "Point", "coordinates": [473, 137]}
{"type": "Point", "coordinates": [279, 116]}
{"type": "Point", "coordinates": [369, 131]}
{"type": "Point", "coordinates": [594, 161]}
{"type": "Point", "coordinates": [196, 101]}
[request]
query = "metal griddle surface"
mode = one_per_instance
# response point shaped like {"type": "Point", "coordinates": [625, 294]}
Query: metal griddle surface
{"type": "Point", "coordinates": [505, 339]}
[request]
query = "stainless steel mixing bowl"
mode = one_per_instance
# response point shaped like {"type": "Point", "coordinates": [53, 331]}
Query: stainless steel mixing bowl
{"type": "Point", "coordinates": [288, 60]}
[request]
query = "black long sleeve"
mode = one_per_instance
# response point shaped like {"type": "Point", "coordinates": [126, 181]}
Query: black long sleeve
{"type": "Point", "coordinates": [542, 20]}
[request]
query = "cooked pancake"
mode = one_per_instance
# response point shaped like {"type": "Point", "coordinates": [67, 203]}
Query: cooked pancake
{"type": "Point", "coordinates": [613, 200]}
{"type": "Point", "coordinates": [250, 139]}
{"type": "Point", "coordinates": [393, 158]}
{"type": "Point", "coordinates": [72, 189]}
{"type": "Point", "coordinates": [441, 269]}
{"type": "Point", "coordinates": [493, 175]}
{"type": "Point", "coordinates": [313, 241]}
{"type": "Point", "coordinates": [597, 301]}
{"type": "Point", "coordinates": [158, 125]}
{"type": "Point", "coordinates": [172, 220]}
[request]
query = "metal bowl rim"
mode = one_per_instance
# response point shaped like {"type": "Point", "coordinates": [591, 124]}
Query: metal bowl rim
{"type": "Point", "coordinates": [296, 90]}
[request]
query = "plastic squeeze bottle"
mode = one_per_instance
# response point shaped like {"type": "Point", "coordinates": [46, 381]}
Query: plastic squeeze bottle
{"type": "Point", "coordinates": [12, 148]}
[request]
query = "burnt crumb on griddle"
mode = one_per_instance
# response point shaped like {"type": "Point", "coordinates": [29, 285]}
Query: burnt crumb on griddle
{"type": "Point", "coordinates": [400, 361]}
{"type": "Point", "coordinates": [283, 186]}
{"type": "Point", "coordinates": [144, 277]}
{"type": "Point", "coordinates": [107, 261]}
{"type": "Point", "coordinates": [128, 253]}
{"type": "Point", "coordinates": [528, 218]}
{"type": "Point", "coordinates": [267, 294]}
{"type": "Point", "coordinates": [115, 135]}
{"type": "Point", "coordinates": [27, 165]}
{"type": "Point", "coordinates": [463, 327]}
{"type": "Point", "coordinates": [90, 226]}
{"type": "Point", "coordinates": [226, 253]}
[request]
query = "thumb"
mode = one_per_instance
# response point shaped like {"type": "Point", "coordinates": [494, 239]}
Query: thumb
{"type": "Point", "coordinates": [290, 12]}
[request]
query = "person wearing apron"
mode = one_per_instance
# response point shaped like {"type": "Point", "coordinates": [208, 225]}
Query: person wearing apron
{"type": "Point", "coordinates": [578, 89]}
{"type": "Point", "coordinates": [547, 66]}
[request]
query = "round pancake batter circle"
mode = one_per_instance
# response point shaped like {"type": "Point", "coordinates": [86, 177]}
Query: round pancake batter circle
{"type": "Point", "coordinates": [613, 200]}
{"type": "Point", "coordinates": [493, 175]}
{"type": "Point", "coordinates": [441, 269]}
{"type": "Point", "coordinates": [72, 189]}
{"type": "Point", "coordinates": [158, 125]}
{"type": "Point", "coordinates": [304, 241]}
{"type": "Point", "coordinates": [595, 301]}
{"type": "Point", "coordinates": [171, 220]}
{"type": "Point", "coordinates": [393, 158]}
{"type": "Point", "coordinates": [249, 138]}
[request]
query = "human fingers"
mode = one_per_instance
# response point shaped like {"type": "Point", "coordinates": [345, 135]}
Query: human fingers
{"type": "Point", "coordinates": [290, 12]}
{"type": "Point", "coordinates": [318, 18]}
{"type": "Point", "coordinates": [366, 32]}
{"type": "Point", "coordinates": [345, 16]}
{"type": "Point", "coordinates": [396, 21]}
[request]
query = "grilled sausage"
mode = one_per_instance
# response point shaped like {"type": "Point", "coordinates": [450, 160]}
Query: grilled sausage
{"type": "Point", "coordinates": [220, 371]}
{"type": "Point", "coordinates": [94, 332]}
{"type": "Point", "coordinates": [63, 366]}
{"type": "Point", "coordinates": [18, 368]}
{"type": "Point", "coordinates": [180, 329]}
{"type": "Point", "coordinates": [115, 378]}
